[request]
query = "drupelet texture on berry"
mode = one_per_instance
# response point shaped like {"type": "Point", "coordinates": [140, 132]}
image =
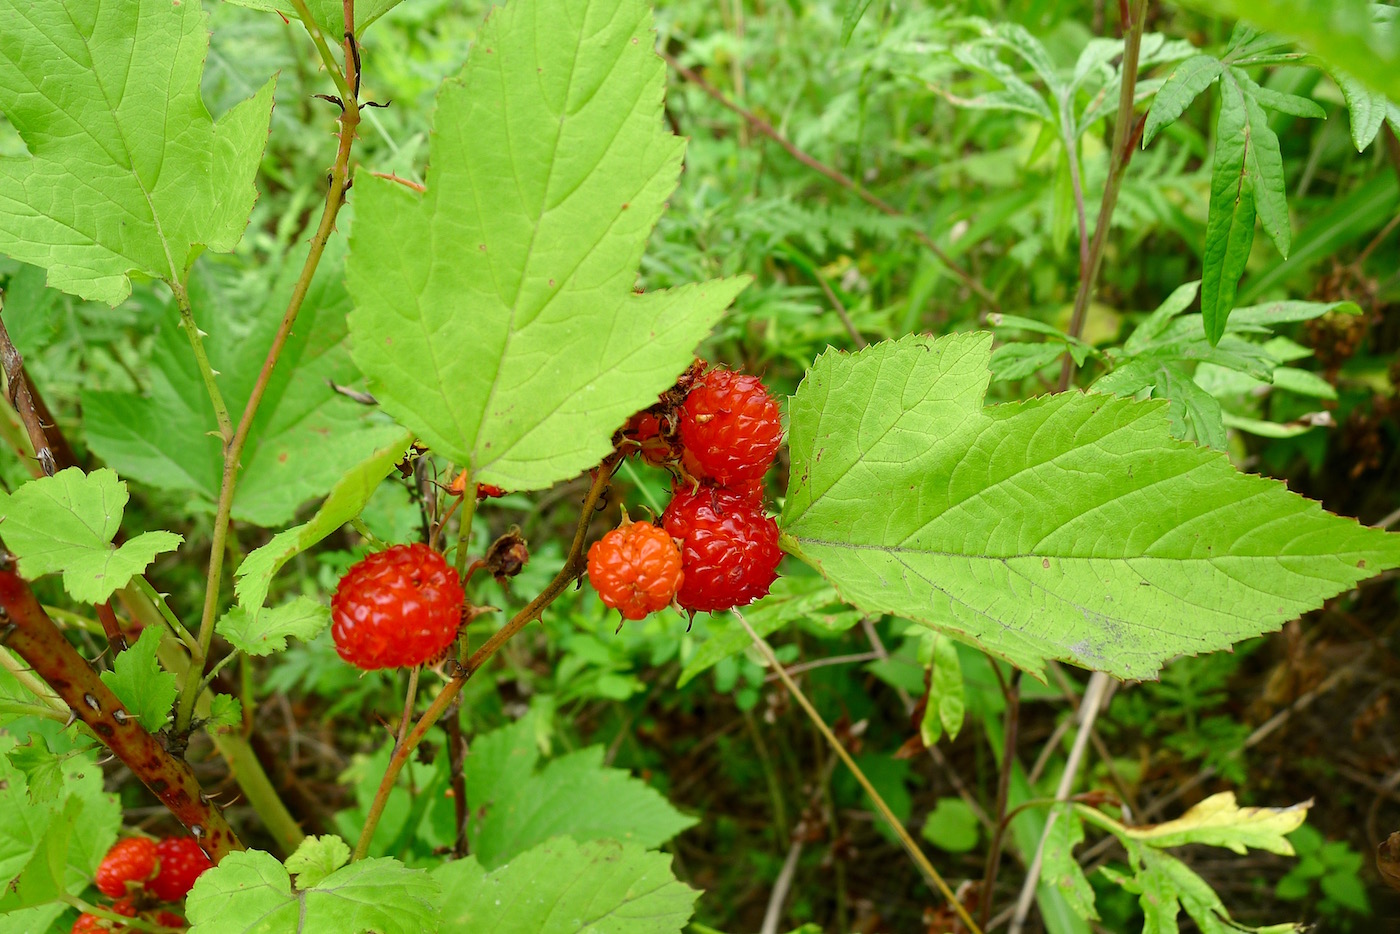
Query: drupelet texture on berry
{"type": "Point", "coordinates": [729, 548]}
{"type": "Point", "coordinates": [132, 860]}
{"type": "Point", "coordinates": [181, 862]}
{"type": "Point", "coordinates": [396, 608]}
{"type": "Point", "coordinates": [636, 569]}
{"type": "Point", "coordinates": [730, 428]}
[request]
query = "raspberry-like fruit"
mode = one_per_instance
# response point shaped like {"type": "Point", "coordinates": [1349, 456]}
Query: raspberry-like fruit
{"type": "Point", "coordinates": [730, 428]}
{"type": "Point", "coordinates": [397, 608]}
{"type": "Point", "coordinates": [170, 920]}
{"type": "Point", "coordinates": [729, 548]}
{"type": "Point", "coordinates": [181, 862]}
{"type": "Point", "coordinates": [132, 860]}
{"type": "Point", "coordinates": [635, 568]}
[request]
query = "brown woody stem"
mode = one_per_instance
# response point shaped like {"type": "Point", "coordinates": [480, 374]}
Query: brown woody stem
{"type": "Point", "coordinates": [27, 629]}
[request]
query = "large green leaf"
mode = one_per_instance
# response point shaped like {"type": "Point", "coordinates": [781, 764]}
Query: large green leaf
{"type": "Point", "coordinates": [65, 523]}
{"type": "Point", "coordinates": [251, 893]}
{"type": "Point", "coordinates": [1065, 527]}
{"type": "Point", "coordinates": [515, 807]}
{"type": "Point", "coordinates": [495, 313]}
{"type": "Point", "coordinates": [563, 887]}
{"type": "Point", "coordinates": [127, 172]}
{"type": "Point", "coordinates": [305, 435]}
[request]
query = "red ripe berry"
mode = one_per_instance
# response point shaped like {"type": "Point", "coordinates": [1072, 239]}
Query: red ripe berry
{"type": "Point", "coordinates": [89, 924]}
{"type": "Point", "coordinates": [170, 920]}
{"type": "Point", "coordinates": [729, 548]}
{"type": "Point", "coordinates": [635, 568]}
{"type": "Point", "coordinates": [131, 860]}
{"type": "Point", "coordinates": [397, 608]}
{"type": "Point", "coordinates": [181, 862]}
{"type": "Point", "coordinates": [730, 428]}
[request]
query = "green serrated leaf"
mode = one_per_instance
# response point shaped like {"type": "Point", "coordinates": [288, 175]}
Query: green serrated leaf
{"type": "Point", "coordinates": [1265, 167]}
{"type": "Point", "coordinates": [573, 795]}
{"type": "Point", "coordinates": [328, 14]}
{"type": "Point", "coordinates": [127, 173]}
{"type": "Point", "coordinates": [305, 434]}
{"type": "Point", "coordinates": [42, 770]}
{"type": "Point", "coordinates": [562, 887]}
{"type": "Point", "coordinates": [65, 523]}
{"type": "Point", "coordinates": [139, 682]}
{"type": "Point", "coordinates": [1219, 821]}
{"type": "Point", "coordinates": [1069, 527]}
{"type": "Point", "coordinates": [251, 893]}
{"type": "Point", "coordinates": [1060, 868]}
{"type": "Point", "coordinates": [225, 711]}
{"type": "Point", "coordinates": [264, 631]}
{"type": "Point", "coordinates": [1156, 323]}
{"type": "Point", "coordinates": [1230, 218]}
{"type": "Point", "coordinates": [1183, 85]}
{"type": "Point", "coordinates": [316, 858]}
{"type": "Point", "coordinates": [495, 313]}
{"type": "Point", "coordinates": [344, 503]}
{"type": "Point", "coordinates": [946, 705]}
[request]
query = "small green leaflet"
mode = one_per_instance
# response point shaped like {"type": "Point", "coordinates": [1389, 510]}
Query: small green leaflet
{"type": "Point", "coordinates": [945, 706]}
{"type": "Point", "coordinates": [251, 893]}
{"type": "Point", "coordinates": [43, 771]}
{"type": "Point", "coordinates": [264, 631]}
{"type": "Point", "coordinates": [344, 503]}
{"type": "Point", "coordinates": [328, 14]}
{"type": "Point", "coordinates": [65, 523]}
{"type": "Point", "coordinates": [495, 314]}
{"type": "Point", "coordinates": [225, 711]}
{"type": "Point", "coordinates": [1067, 527]}
{"type": "Point", "coordinates": [952, 826]}
{"type": "Point", "coordinates": [316, 858]}
{"type": "Point", "coordinates": [128, 172]}
{"type": "Point", "coordinates": [137, 679]}
{"type": "Point", "coordinates": [305, 435]}
{"type": "Point", "coordinates": [513, 806]}
{"type": "Point", "coordinates": [563, 887]}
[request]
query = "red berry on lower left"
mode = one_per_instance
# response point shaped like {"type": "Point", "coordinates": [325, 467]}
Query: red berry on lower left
{"type": "Point", "coordinates": [397, 608]}
{"type": "Point", "coordinates": [181, 862]}
{"type": "Point", "coordinates": [132, 860]}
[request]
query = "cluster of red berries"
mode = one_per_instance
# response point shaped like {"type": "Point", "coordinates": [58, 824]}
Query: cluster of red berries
{"type": "Point", "coordinates": [139, 873]}
{"type": "Point", "coordinates": [397, 608]}
{"type": "Point", "coordinates": [717, 431]}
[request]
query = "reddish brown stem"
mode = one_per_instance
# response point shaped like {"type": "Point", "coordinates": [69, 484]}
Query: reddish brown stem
{"type": "Point", "coordinates": [113, 630]}
{"type": "Point", "coordinates": [23, 401]}
{"type": "Point", "coordinates": [27, 629]}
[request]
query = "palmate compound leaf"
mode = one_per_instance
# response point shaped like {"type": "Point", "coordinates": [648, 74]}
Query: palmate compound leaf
{"type": "Point", "coordinates": [495, 313]}
{"type": "Point", "coordinates": [1067, 527]}
{"type": "Point", "coordinates": [251, 893]}
{"type": "Point", "coordinates": [563, 887]}
{"type": "Point", "coordinates": [127, 172]}
{"type": "Point", "coordinates": [65, 523]}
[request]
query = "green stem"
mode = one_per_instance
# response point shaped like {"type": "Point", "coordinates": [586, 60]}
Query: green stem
{"type": "Point", "coordinates": [573, 569]}
{"type": "Point", "coordinates": [168, 615]}
{"type": "Point", "coordinates": [201, 359]}
{"type": "Point", "coordinates": [238, 438]}
{"type": "Point", "coordinates": [464, 529]}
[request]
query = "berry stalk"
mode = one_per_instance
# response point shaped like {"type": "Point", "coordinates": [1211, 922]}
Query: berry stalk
{"type": "Point", "coordinates": [573, 569]}
{"type": "Point", "coordinates": [27, 629]}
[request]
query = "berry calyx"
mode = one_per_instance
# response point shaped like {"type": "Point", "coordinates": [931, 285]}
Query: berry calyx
{"type": "Point", "coordinates": [635, 568]}
{"type": "Point", "coordinates": [730, 428]}
{"type": "Point", "coordinates": [652, 436]}
{"type": "Point", "coordinates": [729, 548]}
{"type": "Point", "coordinates": [181, 862]}
{"type": "Point", "coordinates": [396, 608]}
{"type": "Point", "coordinates": [130, 861]}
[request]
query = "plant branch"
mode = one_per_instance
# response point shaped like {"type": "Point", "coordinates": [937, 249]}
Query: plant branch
{"type": "Point", "coordinates": [840, 178]}
{"type": "Point", "coordinates": [236, 439]}
{"type": "Point", "coordinates": [573, 569]}
{"type": "Point", "coordinates": [1012, 691]}
{"type": "Point", "coordinates": [27, 629]}
{"type": "Point", "coordinates": [1126, 132]}
{"type": "Point", "coordinates": [895, 824]}
{"type": "Point", "coordinates": [17, 386]}
{"type": "Point", "coordinates": [1088, 711]}
{"type": "Point", "coordinates": [201, 359]}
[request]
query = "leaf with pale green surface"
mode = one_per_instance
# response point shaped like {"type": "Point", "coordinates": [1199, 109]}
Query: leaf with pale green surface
{"type": "Point", "coordinates": [225, 711]}
{"type": "Point", "coordinates": [316, 858]}
{"type": "Point", "coordinates": [139, 682]}
{"type": "Point", "coordinates": [305, 435]}
{"type": "Point", "coordinates": [250, 892]}
{"type": "Point", "coordinates": [65, 523]}
{"type": "Point", "coordinates": [1068, 527]}
{"type": "Point", "coordinates": [328, 14]}
{"type": "Point", "coordinates": [264, 631]}
{"type": "Point", "coordinates": [495, 313]}
{"type": "Point", "coordinates": [564, 887]}
{"type": "Point", "coordinates": [349, 495]}
{"type": "Point", "coordinates": [128, 174]}
{"type": "Point", "coordinates": [1061, 869]}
